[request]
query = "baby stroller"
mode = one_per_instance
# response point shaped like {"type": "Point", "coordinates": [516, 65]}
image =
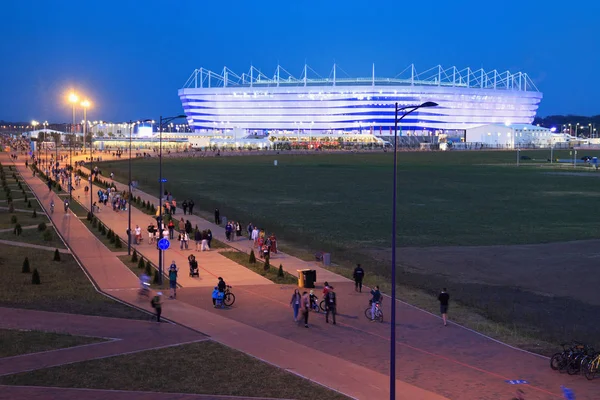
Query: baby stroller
{"type": "Point", "coordinates": [194, 271]}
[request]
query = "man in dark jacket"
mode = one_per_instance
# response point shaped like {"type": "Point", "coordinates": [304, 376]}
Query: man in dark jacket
{"type": "Point", "coordinates": [330, 305]}
{"type": "Point", "coordinates": [217, 217]}
{"type": "Point", "coordinates": [358, 276]}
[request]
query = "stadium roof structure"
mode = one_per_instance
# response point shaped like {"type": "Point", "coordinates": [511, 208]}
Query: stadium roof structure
{"type": "Point", "coordinates": [435, 76]}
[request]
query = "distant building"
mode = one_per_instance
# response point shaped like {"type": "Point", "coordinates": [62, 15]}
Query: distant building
{"type": "Point", "coordinates": [512, 136]}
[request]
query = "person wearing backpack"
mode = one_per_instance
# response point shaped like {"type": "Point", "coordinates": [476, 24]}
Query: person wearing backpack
{"type": "Point", "coordinates": [330, 305]}
{"type": "Point", "coordinates": [358, 276]}
{"type": "Point", "coordinates": [157, 305]}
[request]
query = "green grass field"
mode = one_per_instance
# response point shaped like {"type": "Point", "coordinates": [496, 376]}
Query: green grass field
{"type": "Point", "coordinates": [341, 201]}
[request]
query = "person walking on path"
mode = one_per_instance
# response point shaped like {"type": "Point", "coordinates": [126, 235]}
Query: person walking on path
{"type": "Point", "coordinates": [330, 305]}
{"type": "Point", "coordinates": [217, 217]}
{"type": "Point", "coordinates": [305, 307]}
{"type": "Point", "coordinates": [157, 305]}
{"type": "Point", "coordinates": [171, 227]}
{"type": "Point", "coordinates": [181, 225]}
{"type": "Point", "coordinates": [191, 206]}
{"type": "Point", "coordinates": [184, 205]}
{"type": "Point", "coordinates": [249, 229]}
{"type": "Point", "coordinates": [295, 303]}
{"type": "Point", "coordinates": [198, 239]}
{"type": "Point", "coordinates": [173, 279]}
{"type": "Point", "coordinates": [444, 298]}
{"type": "Point", "coordinates": [358, 276]}
{"type": "Point", "coordinates": [205, 246]}
{"type": "Point", "coordinates": [173, 206]}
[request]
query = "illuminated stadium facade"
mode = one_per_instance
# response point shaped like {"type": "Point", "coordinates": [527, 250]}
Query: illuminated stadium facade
{"type": "Point", "coordinates": [253, 102]}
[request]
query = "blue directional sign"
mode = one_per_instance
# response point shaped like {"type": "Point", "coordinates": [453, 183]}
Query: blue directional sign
{"type": "Point", "coordinates": [164, 244]}
{"type": "Point", "coordinates": [517, 382]}
{"type": "Point", "coordinates": [163, 180]}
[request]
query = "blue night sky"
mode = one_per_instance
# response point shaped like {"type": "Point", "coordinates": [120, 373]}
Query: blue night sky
{"type": "Point", "coordinates": [130, 57]}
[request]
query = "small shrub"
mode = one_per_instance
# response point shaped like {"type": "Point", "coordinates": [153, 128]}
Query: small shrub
{"type": "Point", "coordinates": [156, 279]}
{"type": "Point", "coordinates": [118, 244]}
{"type": "Point", "coordinates": [29, 204]}
{"type": "Point", "coordinates": [144, 205]}
{"type": "Point", "coordinates": [89, 216]}
{"type": "Point", "coordinates": [153, 209]}
{"type": "Point", "coordinates": [94, 222]}
{"type": "Point", "coordinates": [280, 272]}
{"type": "Point", "coordinates": [141, 263]}
{"type": "Point", "coordinates": [266, 266]}
{"type": "Point", "coordinates": [58, 187]}
{"type": "Point", "coordinates": [47, 235]}
{"type": "Point", "coordinates": [11, 208]}
{"type": "Point", "coordinates": [18, 230]}
{"type": "Point", "coordinates": [26, 268]}
{"type": "Point", "coordinates": [35, 277]}
{"type": "Point", "coordinates": [110, 234]}
{"type": "Point", "coordinates": [252, 259]}
{"type": "Point", "coordinates": [34, 215]}
{"type": "Point", "coordinates": [42, 226]}
{"type": "Point", "coordinates": [103, 230]}
{"type": "Point", "coordinates": [148, 268]}
{"type": "Point", "coordinates": [25, 198]}
{"type": "Point", "coordinates": [134, 256]}
{"type": "Point", "coordinates": [13, 219]}
{"type": "Point", "coordinates": [56, 255]}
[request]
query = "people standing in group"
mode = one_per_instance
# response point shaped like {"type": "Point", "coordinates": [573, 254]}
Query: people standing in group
{"type": "Point", "coordinates": [249, 229]}
{"type": "Point", "coordinates": [138, 234]}
{"type": "Point", "coordinates": [305, 305]}
{"type": "Point", "coordinates": [209, 237]}
{"type": "Point", "coordinates": [184, 206]}
{"type": "Point", "coordinates": [255, 235]}
{"type": "Point", "coordinates": [173, 279]}
{"type": "Point", "coordinates": [191, 206]}
{"type": "Point", "coordinates": [151, 232]}
{"type": "Point", "coordinates": [330, 305]}
{"type": "Point", "coordinates": [358, 276]}
{"type": "Point", "coordinates": [165, 234]}
{"type": "Point", "coordinates": [188, 227]}
{"type": "Point", "coordinates": [444, 299]}
{"type": "Point", "coordinates": [173, 206]}
{"type": "Point", "coordinates": [157, 305]}
{"type": "Point", "coordinates": [295, 303]}
{"type": "Point", "coordinates": [217, 217]}
{"type": "Point", "coordinates": [205, 246]}
{"type": "Point", "coordinates": [181, 225]}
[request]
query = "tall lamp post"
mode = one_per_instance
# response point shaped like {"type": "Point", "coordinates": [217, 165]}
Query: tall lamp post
{"type": "Point", "coordinates": [85, 104]}
{"type": "Point", "coordinates": [161, 122]}
{"type": "Point", "coordinates": [33, 125]}
{"type": "Point", "coordinates": [131, 125]}
{"type": "Point", "coordinates": [73, 99]}
{"type": "Point", "coordinates": [405, 111]}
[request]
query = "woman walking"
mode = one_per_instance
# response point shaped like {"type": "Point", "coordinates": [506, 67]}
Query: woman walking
{"type": "Point", "coordinates": [295, 303]}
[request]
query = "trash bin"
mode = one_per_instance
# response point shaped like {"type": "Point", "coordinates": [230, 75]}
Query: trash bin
{"type": "Point", "coordinates": [310, 277]}
{"type": "Point", "coordinates": [326, 259]}
{"type": "Point", "coordinates": [301, 277]}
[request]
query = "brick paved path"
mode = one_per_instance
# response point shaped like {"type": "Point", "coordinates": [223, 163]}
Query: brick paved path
{"type": "Point", "coordinates": [126, 336]}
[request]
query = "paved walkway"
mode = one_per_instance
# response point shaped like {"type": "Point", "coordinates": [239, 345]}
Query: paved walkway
{"type": "Point", "coordinates": [127, 336]}
{"type": "Point", "coordinates": [433, 362]}
{"type": "Point", "coordinates": [33, 246]}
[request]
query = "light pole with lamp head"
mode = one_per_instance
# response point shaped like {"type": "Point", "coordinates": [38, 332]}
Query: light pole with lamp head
{"type": "Point", "coordinates": [131, 124]}
{"type": "Point", "coordinates": [161, 122]}
{"type": "Point", "coordinates": [406, 110]}
{"type": "Point", "coordinates": [85, 104]}
{"type": "Point", "coordinates": [33, 125]}
{"type": "Point", "coordinates": [73, 99]}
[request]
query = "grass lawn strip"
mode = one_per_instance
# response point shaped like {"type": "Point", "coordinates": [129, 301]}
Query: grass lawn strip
{"type": "Point", "coordinates": [22, 218]}
{"type": "Point", "coordinates": [64, 286]}
{"type": "Point", "coordinates": [18, 342]}
{"type": "Point", "coordinates": [34, 236]}
{"type": "Point", "coordinates": [271, 274]}
{"type": "Point", "coordinates": [201, 368]}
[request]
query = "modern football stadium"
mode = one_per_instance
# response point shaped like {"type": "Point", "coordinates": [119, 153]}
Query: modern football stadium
{"type": "Point", "coordinates": [256, 103]}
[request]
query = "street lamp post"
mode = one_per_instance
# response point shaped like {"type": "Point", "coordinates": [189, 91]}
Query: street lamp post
{"type": "Point", "coordinates": [73, 98]}
{"type": "Point", "coordinates": [85, 105]}
{"type": "Point", "coordinates": [131, 124]}
{"type": "Point", "coordinates": [160, 194]}
{"type": "Point", "coordinates": [406, 111]}
{"type": "Point", "coordinates": [33, 125]}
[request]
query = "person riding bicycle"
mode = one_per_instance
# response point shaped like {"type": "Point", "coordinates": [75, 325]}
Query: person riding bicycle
{"type": "Point", "coordinates": [51, 206]}
{"type": "Point", "coordinates": [66, 205]}
{"type": "Point", "coordinates": [144, 284]}
{"type": "Point", "coordinates": [375, 300]}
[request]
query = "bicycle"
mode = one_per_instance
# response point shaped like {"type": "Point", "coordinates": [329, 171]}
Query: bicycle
{"type": "Point", "coordinates": [52, 208]}
{"type": "Point", "coordinates": [560, 361]}
{"type": "Point", "coordinates": [591, 367]}
{"type": "Point", "coordinates": [228, 297]}
{"type": "Point", "coordinates": [378, 313]}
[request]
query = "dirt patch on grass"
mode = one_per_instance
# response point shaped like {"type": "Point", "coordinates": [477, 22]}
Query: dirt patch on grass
{"type": "Point", "coordinates": [545, 290]}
